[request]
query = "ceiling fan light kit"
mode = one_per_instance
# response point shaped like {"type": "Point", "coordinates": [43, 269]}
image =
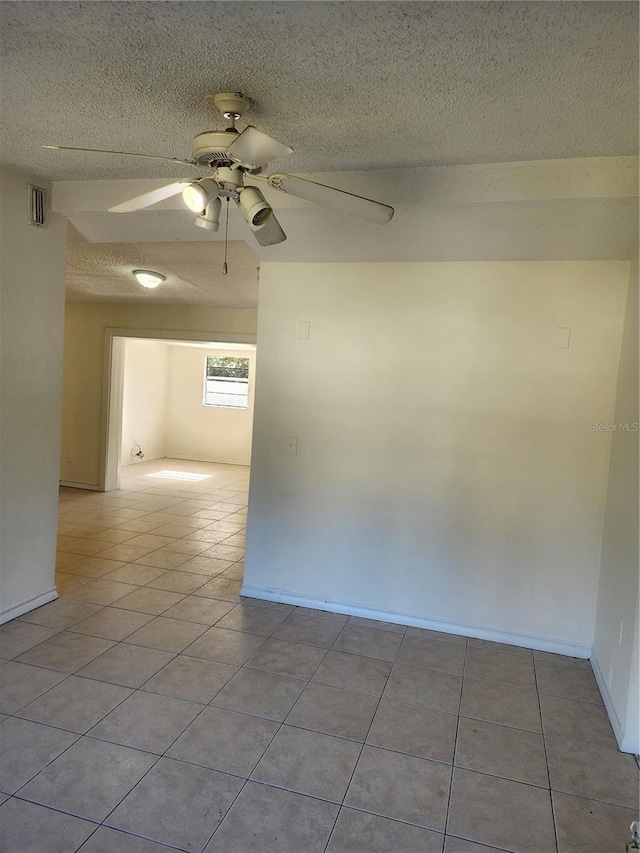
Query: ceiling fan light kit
{"type": "Point", "coordinates": [210, 217]}
{"type": "Point", "coordinates": [232, 156]}
{"type": "Point", "coordinates": [199, 194]}
{"type": "Point", "coordinates": [254, 207]}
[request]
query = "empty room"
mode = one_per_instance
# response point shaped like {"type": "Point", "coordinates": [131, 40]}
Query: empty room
{"type": "Point", "coordinates": [319, 427]}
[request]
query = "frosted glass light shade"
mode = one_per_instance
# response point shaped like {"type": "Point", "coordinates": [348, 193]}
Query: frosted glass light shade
{"type": "Point", "coordinates": [148, 278]}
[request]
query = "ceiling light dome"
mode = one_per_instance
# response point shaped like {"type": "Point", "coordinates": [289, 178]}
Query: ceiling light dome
{"type": "Point", "coordinates": [148, 278]}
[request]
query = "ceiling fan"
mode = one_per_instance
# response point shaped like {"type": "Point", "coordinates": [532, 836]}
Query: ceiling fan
{"type": "Point", "coordinates": [236, 161]}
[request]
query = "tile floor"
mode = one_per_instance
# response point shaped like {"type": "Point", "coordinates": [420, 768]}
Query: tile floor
{"type": "Point", "coordinates": [151, 708]}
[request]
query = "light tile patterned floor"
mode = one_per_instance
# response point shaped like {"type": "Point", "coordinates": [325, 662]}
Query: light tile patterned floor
{"type": "Point", "coordinates": [151, 708]}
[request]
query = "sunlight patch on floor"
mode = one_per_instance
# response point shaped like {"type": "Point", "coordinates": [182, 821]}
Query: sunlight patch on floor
{"type": "Point", "coordinates": [180, 475]}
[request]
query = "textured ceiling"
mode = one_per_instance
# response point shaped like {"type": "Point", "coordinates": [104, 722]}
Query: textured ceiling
{"type": "Point", "coordinates": [101, 272]}
{"type": "Point", "coordinates": [365, 86]}
{"type": "Point", "coordinates": [348, 85]}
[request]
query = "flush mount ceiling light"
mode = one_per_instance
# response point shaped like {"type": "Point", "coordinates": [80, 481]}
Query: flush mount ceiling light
{"type": "Point", "coordinates": [148, 278]}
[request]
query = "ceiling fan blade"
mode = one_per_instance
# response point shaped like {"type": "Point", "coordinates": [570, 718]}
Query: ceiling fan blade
{"type": "Point", "coordinates": [253, 148]}
{"type": "Point", "coordinates": [149, 198]}
{"type": "Point", "coordinates": [366, 208]}
{"type": "Point", "coordinates": [121, 153]}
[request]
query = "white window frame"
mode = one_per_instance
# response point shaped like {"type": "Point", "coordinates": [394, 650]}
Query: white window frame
{"type": "Point", "coordinates": [244, 398]}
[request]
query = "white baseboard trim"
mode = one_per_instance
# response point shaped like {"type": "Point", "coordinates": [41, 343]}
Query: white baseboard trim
{"type": "Point", "coordinates": [629, 744]}
{"type": "Point", "coordinates": [27, 606]}
{"type": "Point", "coordinates": [511, 638]}
{"type": "Point", "coordinates": [200, 459]}
{"type": "Point", "coordinates": [626, 743]}
{"type": "Point", "coordinates": [91, 487]}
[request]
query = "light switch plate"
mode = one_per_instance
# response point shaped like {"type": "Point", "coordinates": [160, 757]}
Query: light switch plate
{"type": "Point", "coordinates": [561, 337]}
{"type": "Point", "coordinates": [303, 330]}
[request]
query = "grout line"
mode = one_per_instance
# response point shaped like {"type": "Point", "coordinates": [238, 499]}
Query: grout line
{"type": "Point", "coordinates": [49, 763]}
{"type": "Point", "coordinates": [546, 759]}
{"type": "Point", "coordinates": [125, 833]}
{"type": "Point", "coordinates": [364, 741]}
{"type": "Point", "coordinates": [275, 734]}
{"type": "Point", "coordinates": [133, 496]}
{"type": "Point", "coordinates": [164, 753]}
{"type": "Point", "coordinates": [455, 740]}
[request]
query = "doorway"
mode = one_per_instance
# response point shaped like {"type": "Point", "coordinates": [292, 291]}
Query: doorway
{"type": "Point", "coordinates": [157, 402]}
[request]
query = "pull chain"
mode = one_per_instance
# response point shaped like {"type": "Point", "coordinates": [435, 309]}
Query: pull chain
{"type": "Point", "coordinates": [226, 234]}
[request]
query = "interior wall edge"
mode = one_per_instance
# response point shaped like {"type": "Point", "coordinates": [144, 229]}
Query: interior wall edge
{"type": "Point", "coordinates": [626, 743]}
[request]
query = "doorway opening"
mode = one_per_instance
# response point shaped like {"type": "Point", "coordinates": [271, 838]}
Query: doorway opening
{"type": "Point", "coordinates": [186, 397]}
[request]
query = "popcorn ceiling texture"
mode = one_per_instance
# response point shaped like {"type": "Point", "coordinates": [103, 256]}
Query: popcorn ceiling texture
{"type": "Point", "coordinates": [101, 272]}
{"type": "Point", "coordinates": [352, 85]}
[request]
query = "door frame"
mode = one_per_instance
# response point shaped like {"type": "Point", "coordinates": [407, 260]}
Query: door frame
{"type": "Point", "coordinates": [113, 387]}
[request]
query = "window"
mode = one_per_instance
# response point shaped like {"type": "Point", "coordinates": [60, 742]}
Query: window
{"type": "Point", "coordinates": [226, 382]}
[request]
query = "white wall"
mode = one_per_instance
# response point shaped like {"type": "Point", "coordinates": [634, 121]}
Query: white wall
{"type": "Point", "coordinates": [446, 471]}
{"type": "Point", "coordinates": [144, 399]}
{"type": "Point", "coordinates": [31, 327]}
{"type": "Point", "coordinates": [618, 589]}
{"type": "Point", "coordinates": [207, 433]}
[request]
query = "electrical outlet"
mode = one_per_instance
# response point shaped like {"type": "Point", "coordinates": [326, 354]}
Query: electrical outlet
{"type": "Point", "coordinates": [291, 445]}
{"type": "Point", "coordinates": [620, 630]}
{"type": "Point", "coordinates": [70, 458]}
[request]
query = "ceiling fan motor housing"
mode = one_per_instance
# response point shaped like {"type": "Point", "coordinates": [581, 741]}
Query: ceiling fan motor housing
{"type": "Point", "coordinates": [210, 148]}
{"type": "Point", "coordinates": [231, 103]}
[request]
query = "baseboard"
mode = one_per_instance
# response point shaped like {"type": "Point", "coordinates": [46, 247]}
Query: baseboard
{"type": "Point", "coordinates": [200, 459]}
{"type": "Point", "coordinates": [27, 606]}
{"type": "Point", "coordinates": [625, 742]}
{"type": "Point", "coordinates": [511, 638]}
{"type": "Point", "coordinates": [69, 485]}
{"type": "Point", "coordinates": [629, 744]}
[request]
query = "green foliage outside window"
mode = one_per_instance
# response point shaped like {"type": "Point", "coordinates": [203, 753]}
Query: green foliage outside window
{"type": "Point", "coordinates": [228, 367]}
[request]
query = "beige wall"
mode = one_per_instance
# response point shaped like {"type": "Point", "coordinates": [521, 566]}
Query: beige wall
{"type": "Point", "coordinates": [144, 399]}
{"type": "Point", "coordinates": [446, 471]}
{"type": "Point", "coordinates": [83, 399]}
{"type": "Point", "coordinates": [618, 589]}
{"type": "Point", "coordinates": [32, 268]}
{"type": "Point", "coordinates": [207, 433]}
